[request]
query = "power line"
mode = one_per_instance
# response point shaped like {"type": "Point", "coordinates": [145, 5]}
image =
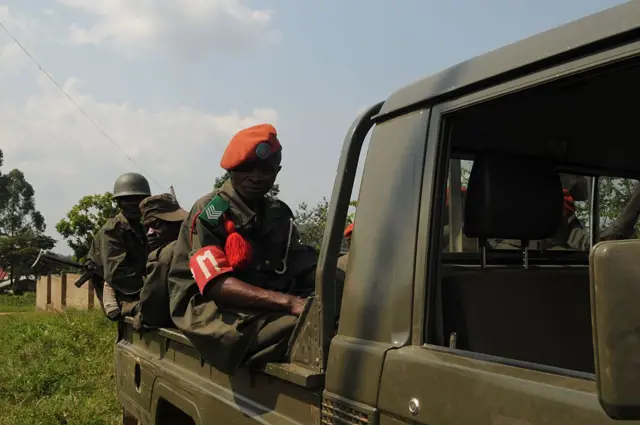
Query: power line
{"type": "Point", "coordinates": [96, 125]}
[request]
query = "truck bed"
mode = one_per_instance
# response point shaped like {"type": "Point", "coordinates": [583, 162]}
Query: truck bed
{"type": "Point", "coordinates": [161, 368]}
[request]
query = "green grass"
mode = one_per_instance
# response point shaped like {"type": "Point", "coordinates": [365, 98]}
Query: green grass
{"type": "Point", "coordinates": [14, 303]}
{"type": "Point", "coordinates": [57, 369]}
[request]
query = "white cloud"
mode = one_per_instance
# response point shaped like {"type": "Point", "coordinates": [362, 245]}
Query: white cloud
{"type": "Point", "coordinates": [188, 28]}
{"type": "Point", "coordinates": [12, 58]}
{"type": "Point", "coordinates": [65, 157]}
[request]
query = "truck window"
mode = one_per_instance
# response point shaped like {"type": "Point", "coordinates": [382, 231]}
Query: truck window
{"type": "Point", "coordinates": [538, 313]}
{"type": "Point", "coordinates": [573, 235]}
{"type": "Point", "coordinates": [513, 217]}
{"type": "Point", "coordinates": [613, 196]}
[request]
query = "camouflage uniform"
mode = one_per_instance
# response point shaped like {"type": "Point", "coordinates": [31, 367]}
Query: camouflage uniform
{"type": "Point", "coordinates": [623, 227]}
{"type": "Point", "coordinates": [154, 297]}
{"type": "Point", "coordinates": [119, 251]}
{"type": "Point", "coordinates": [225, 336]}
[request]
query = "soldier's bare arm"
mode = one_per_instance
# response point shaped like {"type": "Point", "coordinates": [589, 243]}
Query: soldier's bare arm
{"type": "Point", "coordinates": [228, 291]}
{"type": "Point", "coordinates": [214, 277]}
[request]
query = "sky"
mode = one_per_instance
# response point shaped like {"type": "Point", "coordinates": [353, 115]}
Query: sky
{"type": "Point", "coordinates": [171, 81]}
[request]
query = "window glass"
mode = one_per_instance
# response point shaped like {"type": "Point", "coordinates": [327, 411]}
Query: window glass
{"type": "Point", "coordinates": [617, 208]}
{"type": "Point", "coordinates": [574, 232]}
{"type": "Point", "coordinates": [536, 313]}
{"type": "Point", "coordinates": [532, 307]}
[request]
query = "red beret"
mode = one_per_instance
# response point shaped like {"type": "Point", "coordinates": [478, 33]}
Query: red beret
{"type": "Point", "coordinates": [257, 142]}
{"type": "Point", "coordinates": [348, 231]}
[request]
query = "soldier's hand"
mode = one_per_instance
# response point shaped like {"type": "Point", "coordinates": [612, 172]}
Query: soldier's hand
{"type": "Point", "coordinates": [296, 305]}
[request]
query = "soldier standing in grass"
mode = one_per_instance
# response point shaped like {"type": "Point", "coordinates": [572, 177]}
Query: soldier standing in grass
{"type": "Point", "coordinates": [239, 275]}
{"type": "Point", "coordinates": [119, 250]}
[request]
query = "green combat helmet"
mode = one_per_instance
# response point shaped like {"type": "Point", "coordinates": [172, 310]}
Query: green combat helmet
{"type": "Point", "coordinates": [131, 184]}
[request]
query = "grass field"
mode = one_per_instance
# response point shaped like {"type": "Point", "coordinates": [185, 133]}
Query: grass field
{"type": "Point", "coordinates": [56, 368]}
{"type": "Point", "coordinates": [12, 303]}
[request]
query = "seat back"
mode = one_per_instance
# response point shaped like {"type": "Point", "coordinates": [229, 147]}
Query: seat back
{"type": "Point", "coordinates": [537, 314]}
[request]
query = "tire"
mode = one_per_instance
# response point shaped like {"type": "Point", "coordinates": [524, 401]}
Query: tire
{"type": "Point", "coordinates": [128, 418]}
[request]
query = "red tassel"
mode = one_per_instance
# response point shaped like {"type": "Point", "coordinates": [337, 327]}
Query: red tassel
{"type": "Point", "coordinates": [239, 251]}
{"type": "Point", "coordinates": [192, 229]}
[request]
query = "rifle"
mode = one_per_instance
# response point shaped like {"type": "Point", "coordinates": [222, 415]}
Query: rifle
{"type": "Point", "coordinates": [88, 268]}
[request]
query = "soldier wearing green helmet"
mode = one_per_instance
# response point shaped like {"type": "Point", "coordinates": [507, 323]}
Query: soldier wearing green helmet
{"type": "Point", "coordinates": [120, 250]}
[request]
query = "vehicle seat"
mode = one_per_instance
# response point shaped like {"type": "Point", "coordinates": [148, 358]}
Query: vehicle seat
{"type": "Point", "coordinates": [539, 314]}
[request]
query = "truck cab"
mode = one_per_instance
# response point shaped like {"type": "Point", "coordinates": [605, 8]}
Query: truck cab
{"type": "Point", "coordinates": [470, 306]}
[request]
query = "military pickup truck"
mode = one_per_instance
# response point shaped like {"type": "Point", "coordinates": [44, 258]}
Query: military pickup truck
{"type": "Point", "coordinates": [459, 306]}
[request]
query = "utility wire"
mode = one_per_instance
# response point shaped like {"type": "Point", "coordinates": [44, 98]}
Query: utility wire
{"type": "Point", "coordinates": [100, 129]}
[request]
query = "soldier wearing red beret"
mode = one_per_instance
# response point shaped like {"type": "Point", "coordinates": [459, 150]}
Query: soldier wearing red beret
{"type": "Point", "coordinates": [348, 231]}
{"type": "Point", "coordinates": [344, 259]}
{"type": "Point", "coordinates": [239, 274]}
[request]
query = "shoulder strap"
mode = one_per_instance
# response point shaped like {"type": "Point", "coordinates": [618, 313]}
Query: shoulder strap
{"type": "Point", "coordinates": [280, 204]}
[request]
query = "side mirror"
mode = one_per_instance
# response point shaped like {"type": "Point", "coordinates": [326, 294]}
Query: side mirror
{"type": "Point", "coordinates": [615, 311]}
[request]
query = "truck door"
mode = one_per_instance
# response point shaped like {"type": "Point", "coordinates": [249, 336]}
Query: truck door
{"type": "Point", "coordinates": [501, 323]}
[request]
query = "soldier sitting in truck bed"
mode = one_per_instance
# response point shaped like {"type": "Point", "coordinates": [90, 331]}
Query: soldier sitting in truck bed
{"type": "Point", "coordinates": [162, 216]}
{"type": "Point", "coordinates": [238, 264]}
{"type": "Point", "coordinates": [344, 259]}
{"type": "Point", "coordinates": [571, 234]}
{"type": "Point", "coordinates": [578, 238]}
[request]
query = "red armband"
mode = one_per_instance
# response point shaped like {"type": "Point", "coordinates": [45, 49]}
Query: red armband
{"type": "Point", "coordinates": [208, 263]}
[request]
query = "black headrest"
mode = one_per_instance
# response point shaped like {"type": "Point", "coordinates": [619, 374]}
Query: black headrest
{"type": "Point", "coordinates": [513, 197]}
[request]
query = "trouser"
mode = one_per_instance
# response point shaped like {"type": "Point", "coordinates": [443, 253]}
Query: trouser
{"type": "Point", "coordinates": [272, 341]}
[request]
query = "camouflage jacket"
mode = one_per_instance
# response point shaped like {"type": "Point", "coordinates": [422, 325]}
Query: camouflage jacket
{"type": "Point", "coordinates": [120, 253]}
{"type": "Point", "coordinates": [222, 335]}
{"type": "Point", "coordinates": [154, 297]}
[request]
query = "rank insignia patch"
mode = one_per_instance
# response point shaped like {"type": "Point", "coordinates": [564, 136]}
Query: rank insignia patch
{"type": "Point", "coordinates": [213, 210]}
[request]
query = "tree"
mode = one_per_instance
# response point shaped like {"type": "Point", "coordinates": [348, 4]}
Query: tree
{"type": "Point", "coordinates": [351, 217]}
{"type": "Point", "coordinates": [311, 222]}
{"type": "Point", "coordinates": [20, 251]}
{"type": "Point", "coordinates": [614, 194]}
{"type": "Point", "coordinates": [272, 194]}
{"type": "Point", "coordinates": [3, 183]}
{"type": "Point", "coordinates": [21, 226]}
{"type": "Point", "coordinates": [84, 220]}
